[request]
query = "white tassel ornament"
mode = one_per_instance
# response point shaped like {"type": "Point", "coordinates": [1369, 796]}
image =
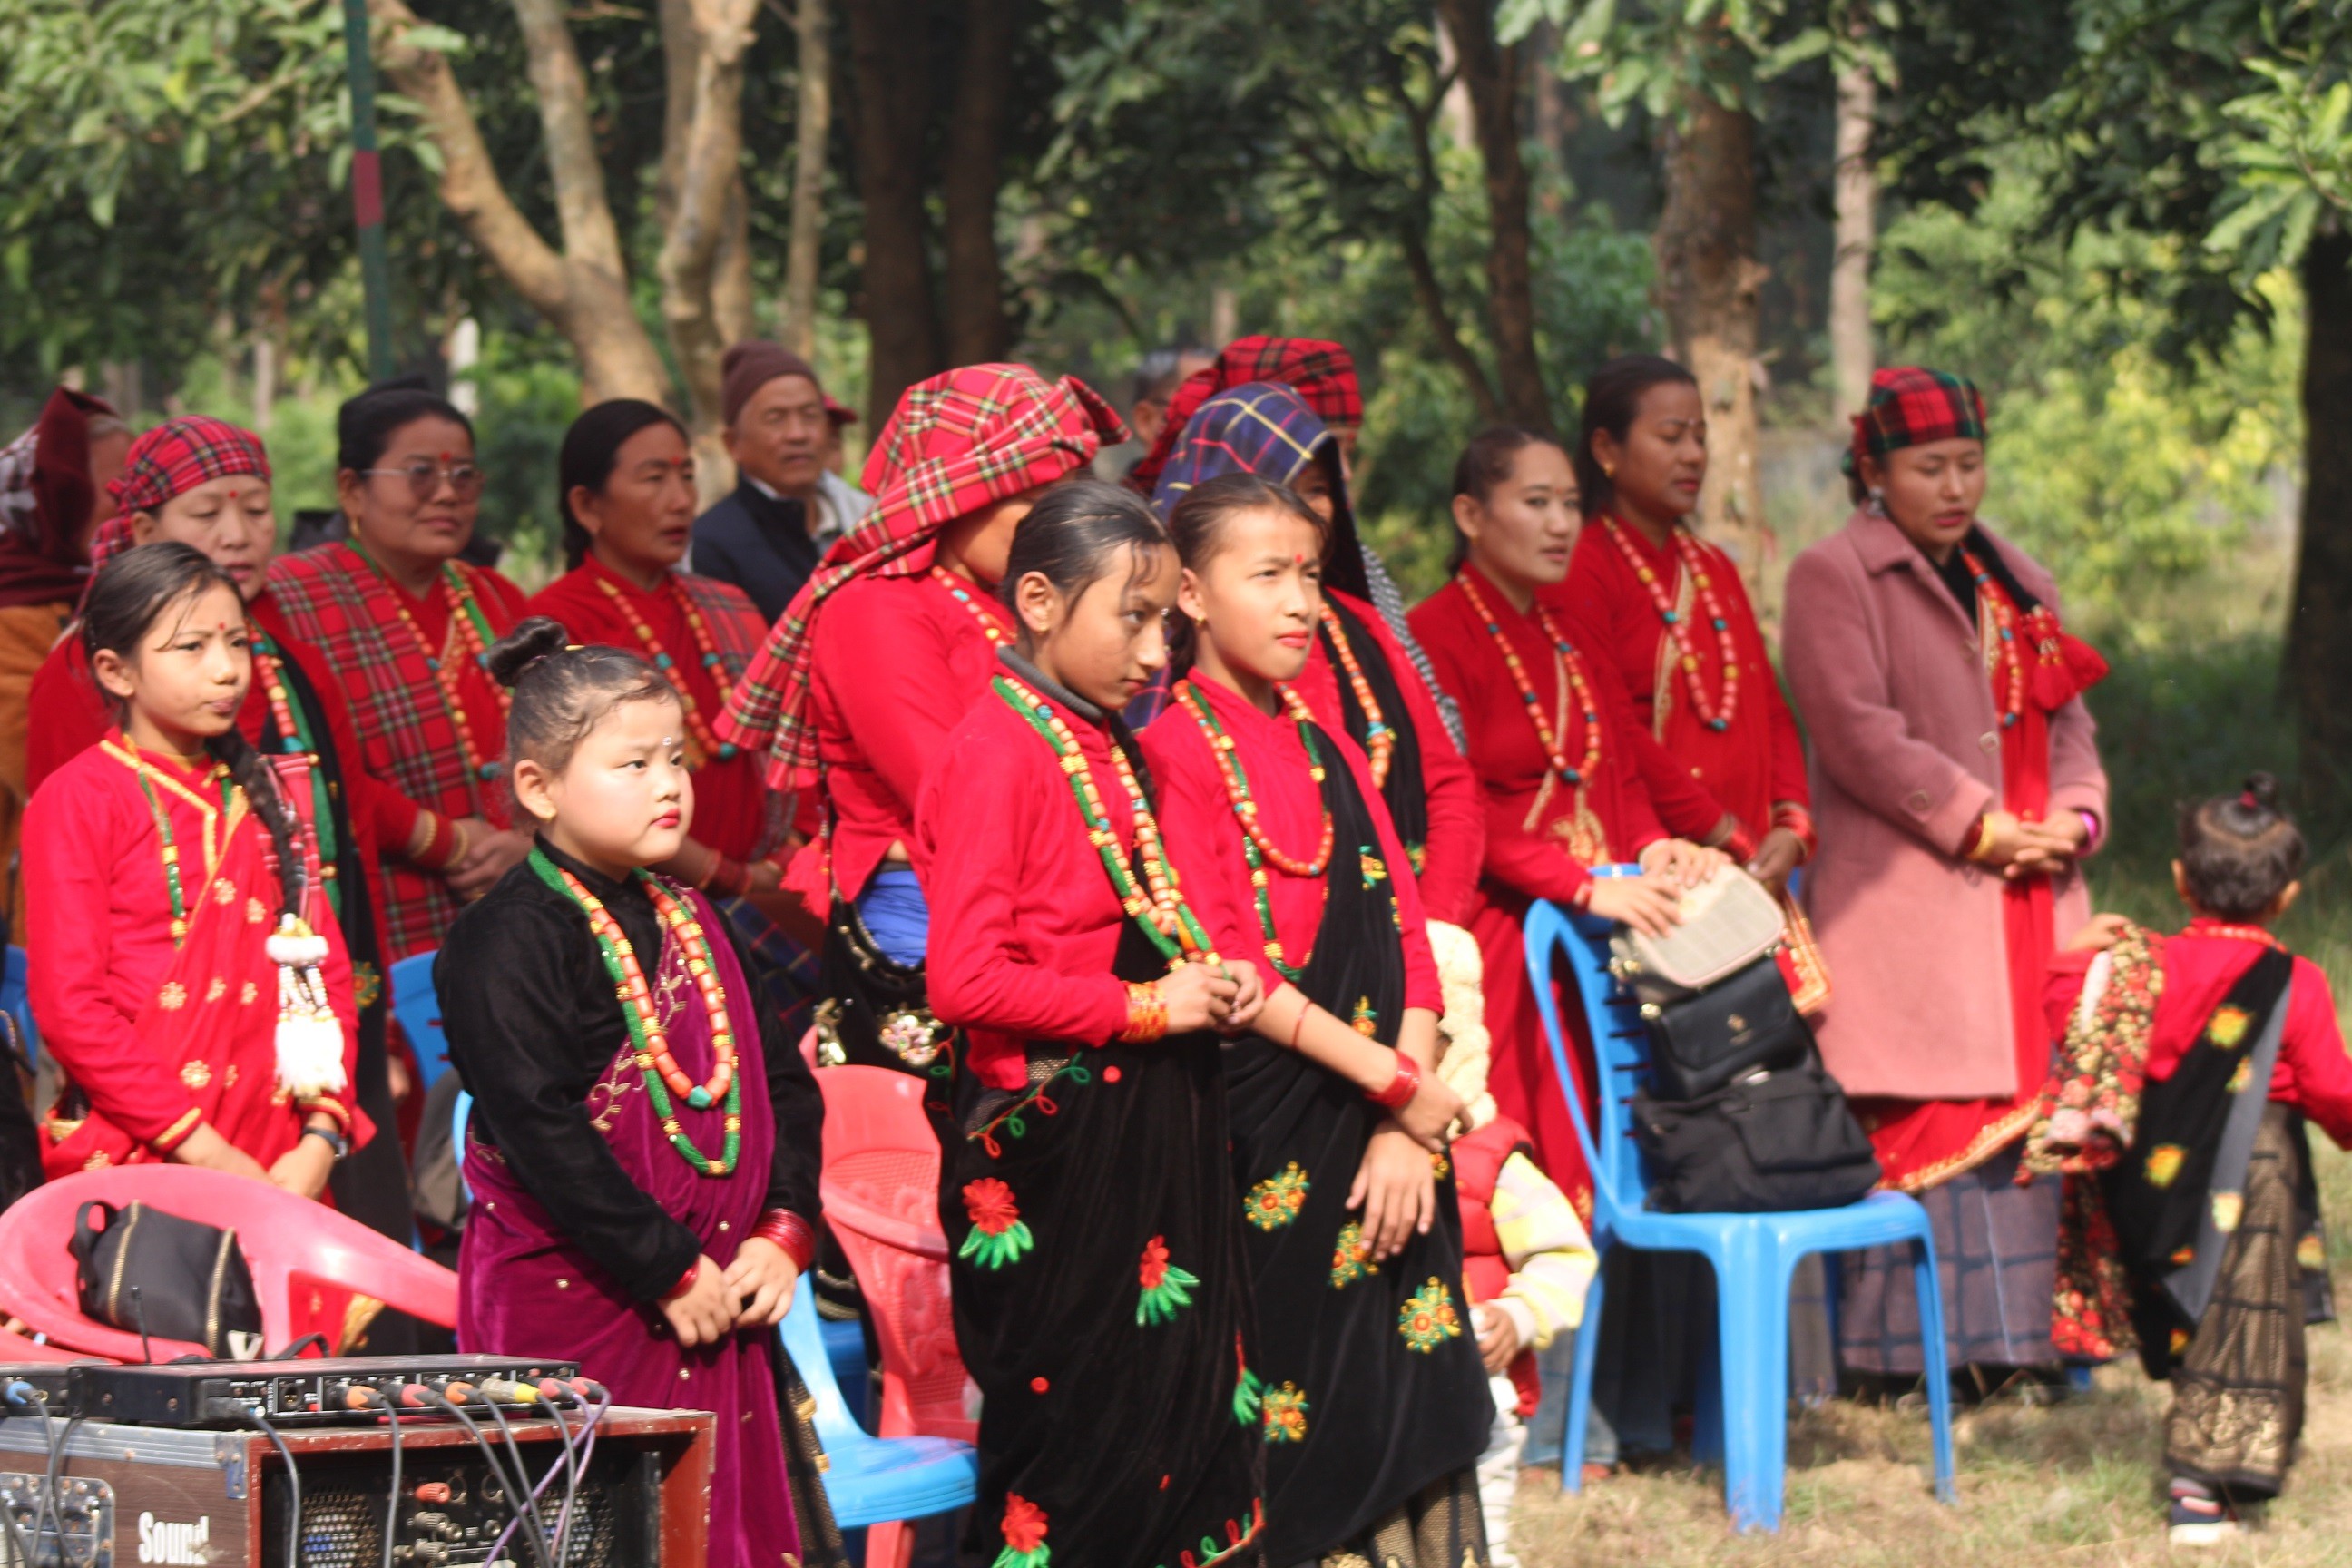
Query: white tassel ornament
{"type": "Point", "coordinates": [310, 1036]}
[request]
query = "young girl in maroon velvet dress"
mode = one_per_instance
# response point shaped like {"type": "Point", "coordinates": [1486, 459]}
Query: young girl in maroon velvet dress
{"type": "Point", "coordinates": [1376, 1406]}
{"type": "Point", "coordinates": [644, 1147]}
{"type": "Point", "coordinates": [1101, 1291]}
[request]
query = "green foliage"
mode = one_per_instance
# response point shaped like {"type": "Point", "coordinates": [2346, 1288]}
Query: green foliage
{"type": "Point", "coordinates": [1660, 55]}
{"type": "Point", "coordinates": [2127, 473]}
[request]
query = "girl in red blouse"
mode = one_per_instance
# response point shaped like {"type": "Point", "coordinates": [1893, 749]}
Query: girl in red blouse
{"type": "Point", "coordinates": [2209, 1190]}
{"type": "Point", "coordinates": [186, 970]}
{"type": "Point", "coordinates": [405, 625]}
{"type": "Point", "coordinates": [1101, 1291]}
{"type": "Point", "coordinates": [886, 649]}
{"type": "Point", "coordinates": [1375, 1403]}
{"type": "Point", "coordinates": [1663, 613]}
{"type": "Point", "coordinates": [1553, 744]}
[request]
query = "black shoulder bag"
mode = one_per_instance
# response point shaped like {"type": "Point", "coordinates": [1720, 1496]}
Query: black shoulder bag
{"type": "Point", "coordinates": [151, 1273]}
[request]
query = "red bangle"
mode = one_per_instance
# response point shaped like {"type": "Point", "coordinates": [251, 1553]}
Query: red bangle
{"type": "Point", "coordinates": [1582, 899]}
{"type": "Point", "coordinates": [789, 1231]}
{"type": "Point", "coordinates": [1788, 813]}
{"type": "Point", "coordinates": [685, 1283]}
{"type": "Point", "coordinates": [1402, 1088]}
{"type": "Point", "coordinates": [1740, 845]}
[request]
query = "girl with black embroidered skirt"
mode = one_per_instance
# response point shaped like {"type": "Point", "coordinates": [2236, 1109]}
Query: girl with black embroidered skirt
{"type": "Point", "coordinates": [644, 1152]}
{"type": "Point", "coordinates": [1101, 1293]}
{"type": "Point", "coordinates": [1376, 1406]}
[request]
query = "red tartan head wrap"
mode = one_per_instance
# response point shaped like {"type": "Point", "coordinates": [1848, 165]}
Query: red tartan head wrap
{"type": "Point", "coordinates": [46, 498]}
{"type": "Point", "coordinates": [172, 460]}
{"type": "Point", "coordinates": [1323, 375]}
{"type": "Point", "coordinates": [960, 441]}
{"type": "Point", "coordinates": [1910, 406]}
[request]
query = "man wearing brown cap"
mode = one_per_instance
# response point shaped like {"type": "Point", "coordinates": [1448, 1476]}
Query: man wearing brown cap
{"type": "Point", "coordinates": [768, 536]}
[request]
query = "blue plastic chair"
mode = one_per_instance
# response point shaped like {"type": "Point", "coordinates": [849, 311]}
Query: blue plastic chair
{"type": "Point", "coordinates": [418, 1011]}
{"type": "Point", "coordinates": [870, 1479]}
{"type": "Point", "coordinates": [1744, 1404]}
{"type": "Point", "coordinates": [17, 1003]}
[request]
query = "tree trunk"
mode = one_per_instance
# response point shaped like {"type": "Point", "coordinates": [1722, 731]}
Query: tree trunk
{"type": "Point", "coordinates": [977, 330]}
{"type": "Point", "coordinates": [1709, 278]}
{"type": "Point", "coordinates": [1491, 72]}
{"type": "Point", "coordinates": [2319, 639]}
{"type": "Point", "coordinates": [1851, 354]}
{"type": "Point", "coordinates": [890, 59]}
{"type": "Point", "coordinates": [581, 290]}
{"type": "Point", "coordinates": [706, 207]}
{"type": "Point", "coordinates": [812, 112]}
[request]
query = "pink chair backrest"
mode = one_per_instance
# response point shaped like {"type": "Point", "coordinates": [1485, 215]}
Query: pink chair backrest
{"type": "Point", "coordinates": [881, 1197]}
{"type": "Point", "coordinates": [15, 1347]}
{"type": "Point", "coordinates": [290, 1244]}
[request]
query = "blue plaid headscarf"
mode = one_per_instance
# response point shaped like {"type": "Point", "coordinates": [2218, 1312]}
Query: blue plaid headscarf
{"type": "Point", "coordinates": [1266, 428]}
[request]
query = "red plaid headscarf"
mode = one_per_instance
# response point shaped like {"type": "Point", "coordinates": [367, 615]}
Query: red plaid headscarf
{"type": "Point", "coordinates": [1322, 374]}
{"type": "Point", "coordinates": [960, 441]}
{"type": "Point", "coordinates": [172, 460]}
{"type": "Point", "coordinates": [1910, 406]}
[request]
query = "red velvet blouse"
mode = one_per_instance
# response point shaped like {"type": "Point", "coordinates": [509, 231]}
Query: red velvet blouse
{"type": "Point", "coordinates": [898, 661]}
{"type": "Point", "coordinates": [1457, 817]}
{"type": "Point", "coordinates": [731, 797]}
{"type": "Point", "coordinates": [1025, 925]}
{"type": "Point", "coordinates": [1197, 816]}
{"type": "Point", "coordinates": [2201, 965]}
{"type": "Point", "coordinates": [1529, 811]}
{"type": "Point", "coordinates": [1745, 769]}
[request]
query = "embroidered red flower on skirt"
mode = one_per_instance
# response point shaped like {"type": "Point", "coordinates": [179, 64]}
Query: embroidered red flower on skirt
{"type": "Point", "coordinates": [989, 1204]}
{"type": "Point", "coordinates": [1024, 1523]}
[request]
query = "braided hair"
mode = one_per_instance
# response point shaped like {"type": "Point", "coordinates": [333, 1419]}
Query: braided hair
{"type": "Point", "coordinates": [129, 596]}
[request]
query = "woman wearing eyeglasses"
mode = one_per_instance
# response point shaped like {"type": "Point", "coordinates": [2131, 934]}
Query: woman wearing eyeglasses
{"type": "Point", "coordinates": [405, 625]}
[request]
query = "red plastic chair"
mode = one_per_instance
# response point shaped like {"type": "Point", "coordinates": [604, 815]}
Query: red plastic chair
{"type": "Point", "coordinates": [881, 1197]}
{"type": "Point", "coordinates": [293, 1245]}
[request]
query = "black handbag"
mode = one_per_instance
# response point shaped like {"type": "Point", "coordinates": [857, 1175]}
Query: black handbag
{"type": "Point", "coordinates": [154, 1274]}
{"type": "Point", "coordinates": [1745, 1023]}
{"type": "Point", "coordinates": [1765, 1143]}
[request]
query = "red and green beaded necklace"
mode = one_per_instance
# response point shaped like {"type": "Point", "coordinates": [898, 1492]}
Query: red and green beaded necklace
{"type": "Point", "coordinates": [168, 846]}
{"type": "Point", "coordinates": [663, 1076]}
{"type": "Point", "coordinates": [1257, 847]}
{"type": "Point", "coordinates": [1159, 908]}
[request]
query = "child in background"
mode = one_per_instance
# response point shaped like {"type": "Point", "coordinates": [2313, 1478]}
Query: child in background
{"type": "Point", "coordinates": [645, 1139]}
{"type": "Point", "coordinates": [1527, 1261]}
{"type": "Point", "coordinates": [2207, 1172]}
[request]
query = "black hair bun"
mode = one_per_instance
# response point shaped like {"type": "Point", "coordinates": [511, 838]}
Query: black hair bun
{"type": "Point", "coordinates": [2262, 792]}
{"type": "Point", "coordinates": [532, 640]}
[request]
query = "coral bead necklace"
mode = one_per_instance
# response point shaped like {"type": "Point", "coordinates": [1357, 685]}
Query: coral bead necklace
{"type": "Point", "coordinates": [294, 737]}
{"type": "Point", "coordinates": [663, 1076]}
{"type": "Point", "coordinates": [1571, 669]}
{"type": "Point", "coordinates": [471, 634]}
{"type": "Point", "coordinates": [1379, 741]}
{"type": "Point", "coordinates": [1715, 715]}
{"type": "Point", "coordinates": [1257, 849]}
{"type": "Point", "coordinates": [706, 648]}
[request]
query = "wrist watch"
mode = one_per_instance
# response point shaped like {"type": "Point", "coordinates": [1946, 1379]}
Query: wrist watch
{"type": "Point", "coordinates": [333, 1140]}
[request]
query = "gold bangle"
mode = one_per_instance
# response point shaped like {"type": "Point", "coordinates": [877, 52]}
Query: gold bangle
{"type": "Point", "coordinates": [1147, 1015]}
{"type": "Point", "coordinates": [461, 843]}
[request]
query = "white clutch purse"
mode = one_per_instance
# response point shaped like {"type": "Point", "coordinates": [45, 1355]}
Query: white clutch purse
{"type": "Point", "coordinates": [1727, 923]}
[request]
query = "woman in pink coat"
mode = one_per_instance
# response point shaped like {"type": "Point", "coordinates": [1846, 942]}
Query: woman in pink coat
{"type": "Point", "coordinates": [1955, 786]}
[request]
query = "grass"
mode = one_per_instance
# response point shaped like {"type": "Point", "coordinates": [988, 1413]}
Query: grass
{"type": "Point", "coordinates": [2074, 1483]}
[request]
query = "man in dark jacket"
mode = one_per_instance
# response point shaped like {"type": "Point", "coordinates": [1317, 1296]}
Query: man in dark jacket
{"type": "Point", "coordinates": [787, 508]}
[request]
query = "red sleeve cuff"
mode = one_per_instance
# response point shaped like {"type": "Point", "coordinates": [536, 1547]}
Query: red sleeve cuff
{"type": "Point", "coordinates": [177, 1133]}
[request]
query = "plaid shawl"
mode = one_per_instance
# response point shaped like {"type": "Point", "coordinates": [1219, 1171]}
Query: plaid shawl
{"type": "Point", "coordinates": [956, 443]}
{"type": "Point", "coordinates": [1264, 428]}
{"type": "Point", "coordinates": [1323, 373]}
{"type": "Point", "coordinates": [736, 630]}
{"type": "Point", "coordinates": [1910, 407]}
{"type": "Point", "coordinates": [172, 460]}
{"type": "Point", "coordinates": [334, 601]}
{"type": "Point", "coordinates": [45, 498]}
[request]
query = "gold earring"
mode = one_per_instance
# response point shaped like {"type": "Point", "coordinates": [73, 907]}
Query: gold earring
{"type": "Point", "coordinates": [1607, 470]}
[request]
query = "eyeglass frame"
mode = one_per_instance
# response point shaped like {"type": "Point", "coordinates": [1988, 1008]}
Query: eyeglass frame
{"type": "Point", "coordinates": [425, 479]}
